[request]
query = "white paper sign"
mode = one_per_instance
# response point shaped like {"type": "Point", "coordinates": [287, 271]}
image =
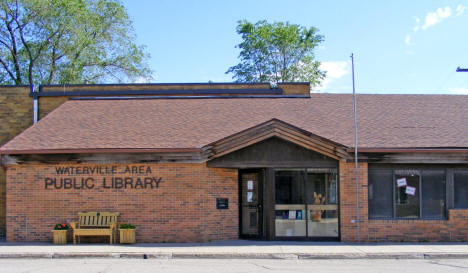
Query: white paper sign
{"type": "Point", "coordinates": [410, 190]}
{"type": "Point", "coordinates": [249, 197]}
{"type": "Point", "coordinates": [292, 214]}
{"type": "Point", "coordinates": [250, 185]}
{"type": "Point", "coordinates": [401, 182]}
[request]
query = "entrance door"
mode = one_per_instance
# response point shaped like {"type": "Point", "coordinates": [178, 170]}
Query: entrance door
{"type": "Point", "coordinates": [251, 204]}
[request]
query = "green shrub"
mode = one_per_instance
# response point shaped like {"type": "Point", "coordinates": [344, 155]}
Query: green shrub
{"type": "Point", "coordinates": [127, 226]}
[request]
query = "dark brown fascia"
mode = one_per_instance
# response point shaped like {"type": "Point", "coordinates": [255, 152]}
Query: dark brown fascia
{"type": "Point", "coordinates": [409, 150]}
{"type": "Point", "coordinates": [103, 151]}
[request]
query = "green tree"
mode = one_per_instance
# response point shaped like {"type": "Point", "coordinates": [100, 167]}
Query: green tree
{"type": "Point", "coordinates": [277, 52]}
{"type": "Point", "coordinates": [68, 41]}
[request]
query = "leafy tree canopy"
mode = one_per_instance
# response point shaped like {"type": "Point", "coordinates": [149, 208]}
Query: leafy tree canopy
{"type": "Point", "coordinates": [277, 52]}
{"type": "Point", "coordinates": [68, 41]}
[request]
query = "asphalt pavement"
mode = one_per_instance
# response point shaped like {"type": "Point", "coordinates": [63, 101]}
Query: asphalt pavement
{"type": "Point", "coordinates": [231, 266]}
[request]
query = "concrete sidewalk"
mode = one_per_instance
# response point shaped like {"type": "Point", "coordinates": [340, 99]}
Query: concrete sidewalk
{"type": "Point", "coordinates": [239, 249]}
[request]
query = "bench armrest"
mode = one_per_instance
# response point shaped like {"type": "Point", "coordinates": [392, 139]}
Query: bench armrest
{"type": "Point", "coordinates": [113, 225]}
{"type": "Point", "coordinates": [74, 225]}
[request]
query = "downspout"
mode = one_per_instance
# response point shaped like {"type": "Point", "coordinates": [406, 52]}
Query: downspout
{"type": "Point", "coordinates": [35, 106]}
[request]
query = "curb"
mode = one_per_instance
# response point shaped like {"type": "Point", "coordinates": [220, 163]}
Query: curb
{"type": "Point", "coordinates": [276, 256]}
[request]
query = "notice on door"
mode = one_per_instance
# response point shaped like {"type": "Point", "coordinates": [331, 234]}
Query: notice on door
{"type": "Point", "coordinates": [249, 197]}
{"type": "Point", "coordinates": [250, 185]}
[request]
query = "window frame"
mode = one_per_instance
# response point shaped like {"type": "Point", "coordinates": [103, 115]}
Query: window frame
{"type": "Point", "coordinates": [453, 187]}
{"type": "Point", "coordinates": [449, 190]}
{"type": "Point", "coordinates": [394, 174]}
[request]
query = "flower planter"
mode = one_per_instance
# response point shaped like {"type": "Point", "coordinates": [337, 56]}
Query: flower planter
{"type": "Point", "coordinates": [127, 236]}
{"type": "Point", "coordinates": [60, 236]}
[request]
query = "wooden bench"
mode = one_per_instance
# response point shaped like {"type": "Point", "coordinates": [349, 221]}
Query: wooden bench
{"type": "Point", "coordinates": [95, 224]}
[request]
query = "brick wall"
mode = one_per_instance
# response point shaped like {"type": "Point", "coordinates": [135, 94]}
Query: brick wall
{"type": "Point", "coordinates": [15, 117]}
{"type": "Point", "coordinates": [181, 209]}
{"type": "Point", "coordinates": [348, 219]}
{"type": "Point", "coordinates": [455, 228]}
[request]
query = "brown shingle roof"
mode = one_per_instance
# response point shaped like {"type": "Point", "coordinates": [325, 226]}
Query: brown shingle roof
{"type": "Point", "coordinates": [384, 121]}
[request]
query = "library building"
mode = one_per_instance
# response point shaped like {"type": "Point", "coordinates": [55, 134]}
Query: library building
{"type": "Point", "coordinates": [221, 161]}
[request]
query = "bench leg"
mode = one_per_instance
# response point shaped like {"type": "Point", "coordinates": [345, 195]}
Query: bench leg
{"type": "Point", "coordinates": [74, 239]}
{"type": "Point", "coordinates": [111, 239]}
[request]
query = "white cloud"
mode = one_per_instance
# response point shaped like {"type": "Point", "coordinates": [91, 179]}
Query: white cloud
{"type": "Point", "coordinates": [460, 10]}
{"type": "Point", "coordinates": [459, 91]}
{"type": "Point", "coordinates": [335, 70]}
{"type": "Point", "coordinates": [408, 40]}
{"type": "Point", "coordinates": [142, 80]}
{"type": "Point", "coordinates": [418, 24]}
{"type": "Point", "coordinates": [433, 18]}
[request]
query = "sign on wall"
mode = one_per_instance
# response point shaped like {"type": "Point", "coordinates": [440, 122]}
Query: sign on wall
{"type": "Point", "coordinates": [111, 177]}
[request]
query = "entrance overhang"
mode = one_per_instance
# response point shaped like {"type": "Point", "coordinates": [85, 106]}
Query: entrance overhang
{"type": "Point", "coordinates": [279, 129]}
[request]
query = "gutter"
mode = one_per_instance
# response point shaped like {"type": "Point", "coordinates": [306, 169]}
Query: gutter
{"type": "Point", "coordinates": [35, 106]}
{"type": "Point", "coordinates": [409, 150]}
{"type": "Point", "coordinates": [102, 150]}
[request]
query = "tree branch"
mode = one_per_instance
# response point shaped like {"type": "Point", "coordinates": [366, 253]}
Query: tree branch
{"type": "Point", "coordinates": [5, 66]}
{"type": "Point", "coordinates": [14, 50]}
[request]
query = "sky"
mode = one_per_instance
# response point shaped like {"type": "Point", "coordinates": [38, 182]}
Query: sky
{"type": "Point", "coordinates": [399, 46]}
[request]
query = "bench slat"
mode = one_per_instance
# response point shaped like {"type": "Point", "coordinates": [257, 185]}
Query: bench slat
{"type": "Point", "coordinates": [95, 219]}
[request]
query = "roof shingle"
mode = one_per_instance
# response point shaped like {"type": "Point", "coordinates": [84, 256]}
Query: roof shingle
{"type": "Point", "coordinates": [384, 121]}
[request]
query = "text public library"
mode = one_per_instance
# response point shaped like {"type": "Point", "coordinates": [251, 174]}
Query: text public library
{"type": "Point", "coordinates": [112, 182]}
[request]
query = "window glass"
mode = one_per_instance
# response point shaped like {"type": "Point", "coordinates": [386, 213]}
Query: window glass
{"type": "Point", "coordinates": [290, 203]}
{"type": "Point", "coordinates": [407, 193]}
{"type": "Point", "coordinates": [322, 207]}
{"type": "Point", "coordinates": [380, 193]}
{"type": "Point", "coordinates": [461, 188]}
{"type": "Point", "coordinates": [433, 194]}
{"type": "Point", "coordinates": [289, 187]}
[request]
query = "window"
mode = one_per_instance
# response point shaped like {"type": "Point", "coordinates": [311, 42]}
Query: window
{"type": "Point", "coordinates": [407, 189]}
{"type": "Point", "coordinates": [460, 182]}
{"type": "Point", "coordinates": [290, 203]}
{"type": "Point", "coordinates": [409, 193]}
{"type": "Point", "coordinates": [433, 194]}
{"type": "Point", "coordinates": [380, 193]}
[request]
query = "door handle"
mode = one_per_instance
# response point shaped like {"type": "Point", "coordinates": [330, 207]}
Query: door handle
{"type": "Point", "coordinates": [259, 206]}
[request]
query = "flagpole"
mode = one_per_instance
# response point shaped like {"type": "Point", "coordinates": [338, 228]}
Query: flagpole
{"type": "Point", "coordinates": [356, 166]}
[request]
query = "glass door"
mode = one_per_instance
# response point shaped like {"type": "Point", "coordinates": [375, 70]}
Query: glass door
{"type": "Point", "coordinates": [251, 200]}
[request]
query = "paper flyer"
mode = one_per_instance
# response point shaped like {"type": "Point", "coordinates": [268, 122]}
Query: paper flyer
{"type": "Point", "coordinates": [401, 182]}
{"type": "Point", "coordinates": [292, 214]}
{"type": "Point", "coordinates": [410, 190]}
{"type": "Point", "coordinates": [249, 197]}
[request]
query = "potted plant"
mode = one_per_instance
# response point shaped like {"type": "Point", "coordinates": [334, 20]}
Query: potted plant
{"type": "Point", "coordinates": [127, 233]}
{"type": "Point", "coordinates": [60, 233]}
